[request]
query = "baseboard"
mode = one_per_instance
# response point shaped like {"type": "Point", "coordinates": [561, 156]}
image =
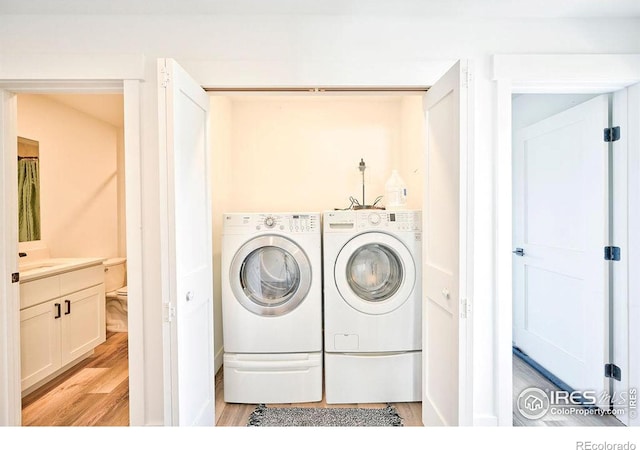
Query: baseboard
{"type": "Point", "coordinates": [217, 362]}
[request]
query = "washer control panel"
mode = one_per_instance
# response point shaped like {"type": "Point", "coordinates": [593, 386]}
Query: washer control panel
{"type": "Point", "coordinates": [372, 219]}
{"type": "Point", "coordinates": [281, 222]}
{"type": "Point", "coordinates": [389, 220]}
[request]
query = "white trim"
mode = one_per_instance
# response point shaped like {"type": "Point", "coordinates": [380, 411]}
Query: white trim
{"type": "Point", "coordinates": [467, 241]}
{"type": "Point", "coordinates": [82, 67]}
{"type": "Point", "coordinates": [503, 229]}
{"type": "Point", "coordinates": [170, 416]}
{"type": "Point", "coordinates": [567, 73]}
{"type": "Point", "coordinates": [549, 74]}
{"type": "Point", "coordinates": [283, 74]}
{"type": "Point", "coordinates": [10, 400]}
{"type": "Point", "coordinates": [482, 420]}
{"type": "Point", "coordinates": [133, 204]}
{"type": "Point", "coordinates": [633, 143]}
{"type": "Point", "coordinates": [619, 232]}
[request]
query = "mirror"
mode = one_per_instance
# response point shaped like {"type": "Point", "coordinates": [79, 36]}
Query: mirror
{"type": "Point", "coordinates": [28, 190]}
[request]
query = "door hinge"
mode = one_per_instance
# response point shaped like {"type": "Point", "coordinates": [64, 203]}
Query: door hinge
{"type": "Point", "coordinates": [465, 308]}
{"type": "Point", "coordinates": [611, 134]}
{"type": "Point", "coordinates": [165, 79]}
{"type": "Point", "coordinates": [612, 371]}
{"type": "Point", "coordinates": [612, 253]}
{"type": "Point", "coordinates": [168, 312]}
{"type": "Point", "coordinates": [466, 78]}
{"type": "Point", "coordinates": [15, 277]}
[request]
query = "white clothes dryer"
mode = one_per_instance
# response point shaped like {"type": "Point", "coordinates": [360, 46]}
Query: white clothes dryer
{"type": "Point", "coordinates": [272, 307]}
{"type": "Point", "coordinates": [372, 306]}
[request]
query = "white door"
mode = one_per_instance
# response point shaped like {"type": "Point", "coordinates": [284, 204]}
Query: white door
{"type": "Point", "coordinates": [188, 347]}
{"type": "Point", "coordinates": [561, 220]}
{"type": "Point", "coordinates": [10, 400]}
{"type": "Point", "coordinates": [446, 385]}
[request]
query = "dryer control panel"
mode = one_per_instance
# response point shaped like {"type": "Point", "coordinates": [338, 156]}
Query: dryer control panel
{"type": "Point", "coordinates": [279, 222]}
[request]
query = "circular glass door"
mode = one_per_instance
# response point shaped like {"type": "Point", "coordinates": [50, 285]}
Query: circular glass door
{"type": "Point", "coordinates": [375, 273]}
{"type": "Point", "coordinates": [270, 275]}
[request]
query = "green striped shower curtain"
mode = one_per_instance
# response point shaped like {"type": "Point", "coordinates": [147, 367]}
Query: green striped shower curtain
{"type": "Point", "coordinates": [28, 200]}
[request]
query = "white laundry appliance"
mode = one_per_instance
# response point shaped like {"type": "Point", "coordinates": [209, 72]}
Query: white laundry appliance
{"type": "Point", "coordinates": [272, 307]}
{"type": "Point", "coordinates": [372, 306]}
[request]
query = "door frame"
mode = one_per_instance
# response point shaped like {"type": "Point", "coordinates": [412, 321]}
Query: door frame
{"type": "Point", "coordinates": [119, 74]}
{"type": "Point", "coordinates": [204, 71]}
{"type": "Point", "coordinates": [549, 74]}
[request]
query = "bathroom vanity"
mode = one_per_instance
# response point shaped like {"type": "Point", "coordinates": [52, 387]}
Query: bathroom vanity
{"type": "Point", "coordinates": [62, 316]}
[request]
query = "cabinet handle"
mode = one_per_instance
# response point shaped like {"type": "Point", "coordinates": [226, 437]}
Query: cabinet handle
{"type": "Point", "coordinates": [68, 303]}
{"type": "Point", "coordinates": [58, 311]}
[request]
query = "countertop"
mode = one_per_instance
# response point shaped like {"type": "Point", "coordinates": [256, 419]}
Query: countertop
{"type": "Point", "coordinates": [34, 270]}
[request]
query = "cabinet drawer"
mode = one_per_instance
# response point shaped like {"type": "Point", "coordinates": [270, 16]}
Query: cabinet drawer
{"type": "Point", "coordinates": [38, 291]}
{"type": "Point", "coordinates": [81, 279]}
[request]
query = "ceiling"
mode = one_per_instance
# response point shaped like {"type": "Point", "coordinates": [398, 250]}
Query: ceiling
{"type": "Point", "coordinates": [438, 8]}
{"type": "Point", "coordinates": [106, 107]}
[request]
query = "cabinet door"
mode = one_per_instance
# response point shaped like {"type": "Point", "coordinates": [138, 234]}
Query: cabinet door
{"type": "Point", "coordinates": [83, 322]}
{"type": "Point", "coordinates": [40, 342]}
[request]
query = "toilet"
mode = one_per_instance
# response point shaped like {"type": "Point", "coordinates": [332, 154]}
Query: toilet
{"type": "Point", "coordinates": [115, 285]}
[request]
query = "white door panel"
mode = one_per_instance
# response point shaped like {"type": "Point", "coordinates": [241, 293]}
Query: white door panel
{"type": "Point", "coordinates": [445, 380]}
{"type": "Point", "coordinates": [561, 222]}
{"type": "Point", "coordinates": [184, 112]}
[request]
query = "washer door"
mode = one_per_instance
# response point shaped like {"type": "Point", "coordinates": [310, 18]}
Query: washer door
{"type": "Point", "coordinates": [270, 275]}
{"type": "Point", "coordinates": [375, 273]}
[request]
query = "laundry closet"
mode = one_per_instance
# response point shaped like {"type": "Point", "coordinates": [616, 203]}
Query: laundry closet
{"type": "Point", "coordinates": [300, 152]}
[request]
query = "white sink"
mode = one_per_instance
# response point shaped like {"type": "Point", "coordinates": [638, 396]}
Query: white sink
{"type": "Point", "coordinates": [38, 265]}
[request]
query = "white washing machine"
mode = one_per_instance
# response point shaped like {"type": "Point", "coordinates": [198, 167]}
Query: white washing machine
{"type": "Point", "coordinates": [372, 306]}
{"type": "Point", "coordinates": [272, 307]}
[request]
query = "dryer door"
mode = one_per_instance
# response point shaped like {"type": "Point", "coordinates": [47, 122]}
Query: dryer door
{"type": "Point", "coordinates": [270, 275]}
{"type": "Point", "coordinates": [375, 273]}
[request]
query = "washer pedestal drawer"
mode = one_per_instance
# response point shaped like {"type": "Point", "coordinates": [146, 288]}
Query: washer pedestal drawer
{"type": "Point", "coordinates": [373, 377]}
{"type": "Point", "coordinates": [273, 378]}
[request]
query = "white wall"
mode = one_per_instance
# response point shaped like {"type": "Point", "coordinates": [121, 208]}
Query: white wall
{"type": "Point", "coordinates": [263, 50]}
{"type": "Point", "coordinates": [302, 153]}
{"type": "Point", "coordinates": [78, 177]}
{"type": "Point", "coordinates": [220, 141]}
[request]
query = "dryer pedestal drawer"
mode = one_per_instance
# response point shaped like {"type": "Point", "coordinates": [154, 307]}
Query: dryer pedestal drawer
{"type": "Point", "coordinates": [373, 377]}
{"type": "Point", "coordinates": [273, 378]}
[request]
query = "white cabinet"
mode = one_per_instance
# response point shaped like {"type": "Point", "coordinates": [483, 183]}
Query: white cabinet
{"type": "Point", "coordinates": [63, 320]}
{"type": "Point", "coordinates": [39, 342]}
{"type": "Point", "coordinates": [83, 322]}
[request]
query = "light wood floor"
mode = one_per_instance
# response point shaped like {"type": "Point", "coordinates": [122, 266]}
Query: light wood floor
{"type": "Point", "coordinates": [95, 393]}
{"type": "Point", "coordinates": [525, 376]}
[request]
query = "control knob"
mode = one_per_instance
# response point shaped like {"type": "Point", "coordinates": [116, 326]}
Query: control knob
{"type": "Point", "coordinates": [270, 222]}
{"type": "Point", "coordinates": [374, 218]}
